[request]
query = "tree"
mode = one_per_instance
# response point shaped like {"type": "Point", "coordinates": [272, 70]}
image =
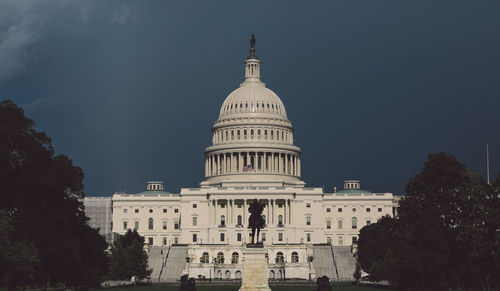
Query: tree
{"type": "Point", "coordinates": [42, 194]}
{"type": "Point", "coordinates": [446, 236]}
{"type": "Point", "coordinates": [128, 257]}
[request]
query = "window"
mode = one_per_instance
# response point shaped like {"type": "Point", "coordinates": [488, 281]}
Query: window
{"type": "Point", "coordinates": [263, 236]}
{"type": "Point", "coordinates": [329, 240]}
{"type": "Point", "coordinates": [280, 219]}
{"type": "Point", "coordinates": [150, 210]}
{"type": "Point", "coordinates": [205, 258]}
{"type": "Point", "coordinates": [279, 257]}
{"type": "Point", "coordinates": [150, 241]}
{"type": "Point", "coordinates": [164, 210]}
{"type": "Point", "coordinates": [195, 221]}
{"type": "Point", "coordinates": [308, 237]}
{"type": "Point", "coordinates": [164, 241]}
{"type": "Point", "coordinates": [341, 241]}
{"type": "Point", "coordinates": [295, 257]}
{"type": "Point", "coordinates": [264, 218]}
{"type": "Point", "coordinates": [251, 133]}
{"type": "Point", "coordinates": [136, 225]}
{"type": "Point", "coordinates": [238, 134]}
{"type": "Point", "coordinates": [280, 205]}
{"type": "Point", "coordinates": [124, 225]}
{"type": "Point", "coordinates": [239, 205]}
{"type": "Point", "coordinates": [354, 223]}
{"type": "Point", "coordinates": [308, 205]}
{"type": "Point", "coordinates": [222, 220]}
{"type": "Point", "coordinates": [354, 210]}
{"type": "Point", "coordinates": [223, 206]}
{"type": "Point", "coordinates": [245, 133]}
{"type": "Point", "coordinates": [308, 220]}
{"type": "Point", "coordinates": [195, 205]}
{"type": "Point", "coordinates": [234, 258]}
{"type": "Point", "coordinates": [176, 210]}
{"type": "Point", "coordinates": [380, 210]}
{"type": "Point", "coordinates": [222, 237]}
{"type": "Point", "coordinates": [368, 222]}
{"type": "Point", "coordinates": [328, 224]}
{"type": "Point", "coordinates": [238, 236]}
{"type": "Point", "coordinates": [328, 210]}
{"type": "Point", "coordinates": [195, 237]}
{"type": "Point", "coordinates": [354, 240]}
{"type": "Point", "coordinates": [125, 210]}
{"type": "Point", "coordinates": [367, 209]}
{"type": "Point", "coordinates": [339, 210]}
{"type": "Point", "coordinates": [164, 224]}
{"type": "Point", "coordinates": [339, 224]}
{"type": "Point", "coordinates": [220, 258]}
{"type": "Point", "coordinates": [176, 239]}
{"type": "Point", "coordinates": [176, 224]}
{"type": "Point", "coordinates": [280, 236]}
{"type": "Point", "coordinates": [136, 210]}
{"type": "Point", "coordinates": [239, 220]}
{"type": "Point", "coordinates": [150, 223]}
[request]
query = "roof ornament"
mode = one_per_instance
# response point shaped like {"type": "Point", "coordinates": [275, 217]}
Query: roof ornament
{"type": "Point", "coordinates": [252, 48]}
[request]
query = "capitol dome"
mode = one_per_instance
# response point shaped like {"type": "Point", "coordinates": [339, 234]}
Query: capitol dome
{"type": "Point", "coordinates": [252, 140]}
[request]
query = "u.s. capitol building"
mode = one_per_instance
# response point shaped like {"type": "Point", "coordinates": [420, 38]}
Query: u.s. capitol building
{"type": "Point", "coordinates": [308, 232]}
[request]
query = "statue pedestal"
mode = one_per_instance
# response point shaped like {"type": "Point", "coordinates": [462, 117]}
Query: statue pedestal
{"type": "Point", "coordinates": [255, 276]}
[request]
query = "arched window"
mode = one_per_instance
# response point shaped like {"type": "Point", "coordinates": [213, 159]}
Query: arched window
{"type": "Point", "coordinates": [240, 220]}
{"type": "Point", "coordinates": [295, 257]}
{"type": "Point", "coordinates": [277, 135]}
{"type": "Point", "coordinates": [222, 220]}
{"type": "Point", "coordinates": [226, 135]}
{"type": "Point", "coordinates": [272, 134]}
{"type": "Point", "coordinates": [220, 258]}
{"type": "Point", "coordinates": [258, 133]}
{"type": "Point", "coordinates": [150, 223]}
{"type": "Point", "coordinates": [234, 258]}
{"type": "Point", "coordinates": [265, 133]}
{"type": "Point", "coordinates": [354, 222]}
{"type": "Point", "coordinates": [245, 134]}
{"type": "Point", "coordinates": [205, 258]}
{"type": "Point", "coordinates": [232, 134]}
{"type": "Point", "coordinates": [271, 273]}
{"type": "Point", "coordinates": [251, 133]}
{"type": "Point", "coordinates": [238, 134]}
{"type": "Point", "coordinates": [280, 219]}
{"type": "Point", "coordinates": [279, 257]}
{"type": "Point", "coordinates": [227, 274]}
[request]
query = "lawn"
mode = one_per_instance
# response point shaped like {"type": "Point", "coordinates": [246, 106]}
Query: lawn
{"type": "Point", "coordinates": [235, 288]}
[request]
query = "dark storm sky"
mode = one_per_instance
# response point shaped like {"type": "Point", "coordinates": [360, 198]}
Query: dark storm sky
{"type": "Point", "coordinates": [129, 90]}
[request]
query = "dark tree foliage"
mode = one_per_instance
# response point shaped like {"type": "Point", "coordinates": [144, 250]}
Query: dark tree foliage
{"type": "Point", "coordinates": [128, 257]}
{"type": "Point", "coordinates": [447, 234]}
{"type": "Point", "coordinates": [41, 192]}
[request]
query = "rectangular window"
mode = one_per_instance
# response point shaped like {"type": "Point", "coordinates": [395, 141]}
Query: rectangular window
{"type": "Point", "coordinates": [164, 241]}
{"type": "Point", "coordinates": [136, 225]}
{"type": "Point", "coordinates": [223, 206]}
{"type": "Point", "coordinates": [164, 224]}
{"type": "Point", "coordinates": [136, 210]}
{"type": "Point", "coordinates": [308, 237]}
{"type": "Point", "coordinates": [238, 236]}
{"type": "Point", "coordinates": [150, 241]}
{"type": "Point", "coordinates": [368, 209]}
{"type": "Point", "coordinates": [125, 210]}
{"type": "Point", "coordinates": [308, 205]}
{"type": "Point", "coordinates": [176, 210]}
{"type": "Point", "coordinates": [176, 225]}
{"type": "Point", "coordinates": [195, 221]}
{"type": "Point", "coordinates": [328, 210]}
{"type": "Point", "coordinates": [164, 210]}
{"type": "Point", "coordinates": [340, 224]}
{"type": "Point", "coordinates": [124, 225]}
{"type": "Point", "coordinates": [380, 210]}
{"type": "Point", "coordinates": [222, 237]}
{"type": "Point", "coordinates": [195, 237]}
{"type": "Point", "coordinates": [176, 239]}
{"type": "Point", "coordinates": [368, 222]}
{"type": "Point", "coordinates": [195, 206]}
{"type": "Point", "coordinates": [280, 205]}
{"type": "Point", "coordinates": [308, 220]}
{"type": "Point", "coordinates": [240, 205]}
{"type": "Point", "coordinates": [263, 236]}
{"type": "Point", "coordinates": [280, 236]}
{"type": "Point", "coordinates": [341, 241]}
{"type": "Point", "coordinates": [328, 224]}
{"type": "Point", "coordinates": [329, 240]}
{"type": "Point", "coordinates": [354, 240]}
{"type": "Point", "coordinates": [339, 210]}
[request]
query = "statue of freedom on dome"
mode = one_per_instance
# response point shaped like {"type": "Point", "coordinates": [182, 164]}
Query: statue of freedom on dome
{"type": "Point", "coordinates": [255, 221]}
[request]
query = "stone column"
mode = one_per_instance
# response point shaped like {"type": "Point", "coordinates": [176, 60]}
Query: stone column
{"type": "Point", "coordinates": [244, 211]}
{"type": "Point", "coordinates": [285, 220]}
{"type": "Point", "coordinates": [272, 211]}
{"type": "Point", "coordinates": [240, 161]}
{"type": "Point", "coordinates": [298, 172]}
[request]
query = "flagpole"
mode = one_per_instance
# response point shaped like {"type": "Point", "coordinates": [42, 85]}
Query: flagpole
{"type": "Point", "coordinates": [488, 164]}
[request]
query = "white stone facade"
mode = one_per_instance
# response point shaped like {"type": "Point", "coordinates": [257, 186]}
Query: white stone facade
{"type": "Point", "coordinates": [252, 157]}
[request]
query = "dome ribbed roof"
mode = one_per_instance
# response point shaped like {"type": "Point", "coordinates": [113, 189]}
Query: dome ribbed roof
{"type": "Point", "coordinates": [253, 99]}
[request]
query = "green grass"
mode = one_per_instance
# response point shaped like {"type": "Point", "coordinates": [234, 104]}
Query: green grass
{"type": "Point", "coordinates": [235, 288]}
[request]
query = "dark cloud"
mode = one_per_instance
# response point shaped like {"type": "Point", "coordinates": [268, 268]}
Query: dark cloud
{"type": "Point", "coordinates": [129, 89]}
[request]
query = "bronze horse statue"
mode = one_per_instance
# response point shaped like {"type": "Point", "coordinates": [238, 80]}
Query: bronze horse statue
{"type": "Point", "coordinates": [255, 221]}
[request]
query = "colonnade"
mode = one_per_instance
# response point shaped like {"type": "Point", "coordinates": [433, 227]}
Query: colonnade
{"type": "Point", "coordinates": [270, 211]}
{"type": "Point", "coordinates": [258, 162]}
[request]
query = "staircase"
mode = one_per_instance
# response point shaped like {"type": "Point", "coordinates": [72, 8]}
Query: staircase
{"type": "Point", "coordinates": [345, 262]}
{"type": "Point", "coordinates": [156, 257]}
{"type": "Point", "coordinates": [174, 264]}
{"type": "Point", "coordinates": [323, 262]}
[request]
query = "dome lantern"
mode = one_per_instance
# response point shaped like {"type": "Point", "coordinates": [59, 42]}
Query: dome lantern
{"type": "Point", "coordinates": [252, 64]}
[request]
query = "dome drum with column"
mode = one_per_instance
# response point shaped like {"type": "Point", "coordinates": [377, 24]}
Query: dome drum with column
{"type": "Point", "coordinates": [253, 137]}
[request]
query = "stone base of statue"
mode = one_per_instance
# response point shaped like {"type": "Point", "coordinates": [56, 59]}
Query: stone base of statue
{"type": "Point", "coordinates": [255, 276]}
